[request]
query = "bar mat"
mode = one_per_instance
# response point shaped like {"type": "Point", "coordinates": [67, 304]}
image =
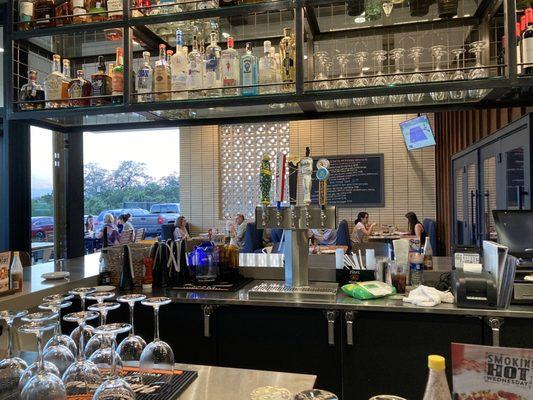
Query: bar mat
{"type": "Point", "coordinates": [217, 287]}
{"type": "Point", "coordinates": [160, 386]}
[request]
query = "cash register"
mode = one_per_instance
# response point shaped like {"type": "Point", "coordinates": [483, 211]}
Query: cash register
{"type": "Point", "coordinates": [515, 230]}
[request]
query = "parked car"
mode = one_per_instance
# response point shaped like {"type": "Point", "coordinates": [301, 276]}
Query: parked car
{"type": "Point", "coordinates": [41, 227]}
{"type": "Point", "coordinates": [99, 220]}
{"type": "Point", "coordinates": [165, 208]}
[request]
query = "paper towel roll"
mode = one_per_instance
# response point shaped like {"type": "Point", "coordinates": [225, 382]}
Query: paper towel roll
{"type": "Point", "coordinates": [472, 268]}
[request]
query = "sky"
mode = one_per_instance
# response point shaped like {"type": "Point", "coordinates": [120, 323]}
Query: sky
{"type": "Point", "coordinates": [158, 148]}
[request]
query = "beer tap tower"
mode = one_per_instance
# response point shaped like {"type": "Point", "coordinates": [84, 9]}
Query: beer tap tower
{"type": "Point", "coordinates": [296, 220]}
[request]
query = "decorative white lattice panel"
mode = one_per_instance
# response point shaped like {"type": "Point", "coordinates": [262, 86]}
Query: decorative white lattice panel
{"type": "Point", "coordinates": [241, 150]}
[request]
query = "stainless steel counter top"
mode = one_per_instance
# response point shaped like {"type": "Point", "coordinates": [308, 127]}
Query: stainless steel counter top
{"type": "Point", "coordinates": [83, 272]}
{"type": "Point", "coordinates": [217, 383]}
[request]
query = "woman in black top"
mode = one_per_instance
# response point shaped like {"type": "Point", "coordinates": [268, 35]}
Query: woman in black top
{"type": "Point", "coordinates": [415, 227]}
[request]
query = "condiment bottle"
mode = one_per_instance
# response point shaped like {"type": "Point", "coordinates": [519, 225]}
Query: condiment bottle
{"type": "Point", "coordinates": [16, 273]}
{"type": "Point", "coordinates": [437, 386]}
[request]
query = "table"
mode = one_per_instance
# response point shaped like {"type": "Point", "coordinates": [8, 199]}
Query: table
{"type": "Point", "coordinates": [45, 247]}
{"type": "Point", "coordinates": [383, 238]}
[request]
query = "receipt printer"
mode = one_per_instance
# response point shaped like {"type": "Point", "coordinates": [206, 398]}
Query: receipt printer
{"type": "Point", "coordinates": [473, 290]}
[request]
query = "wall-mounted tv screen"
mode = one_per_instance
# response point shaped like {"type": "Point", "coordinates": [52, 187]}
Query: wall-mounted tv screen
{"type": "Point", "coordinates": [417, 133]}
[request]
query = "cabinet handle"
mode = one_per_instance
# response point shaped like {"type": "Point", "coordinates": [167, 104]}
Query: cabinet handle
{"type": "Point", "coordinates": [349, 316]}
{"type": "Point", "coordinates": [495, 325]}
{"type": "Point", "coordinates": [331, 315]}
{"type": "Point", "coordinates": [208, 309]}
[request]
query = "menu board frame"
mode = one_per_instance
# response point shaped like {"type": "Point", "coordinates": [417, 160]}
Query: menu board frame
{"type": "Point", "coordinates": [381, 174]}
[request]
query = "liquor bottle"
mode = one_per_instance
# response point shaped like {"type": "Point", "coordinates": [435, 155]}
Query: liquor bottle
{"type": "Point", "coordinates": [287, 49]}
{"type": "Point", "coordinates": [31, 92]}
{"type": "Point", "coordinates": [114, 9]}
{"type": "Point", "coordinates": [179, 69]}
{"type": "Point", "coordinates": [101, 83]}
{"type": "Point", "coordinates": [117, 80]}
{"type": "Point", "coordinates": [248, 69]}
{"type": "Point", "coordinates": [428, 255]}
{"type": "Point", "coordinates": [80, 87]}
{"type": "Point", "coordinates": [66, 82]}
{"type": "Point", "coordinates": [145, 77]}
{"type": "Point", "coordinates": [161, 76]}
{"type": "Point", "coordinates": [229, 64]}
{"type": "Point", "coordinates": [518, 48]}
{"type": "Point", "coordinates": [79, 11]}
{"type": "Point", "coordinates": [267, 70]}
{"type": "Point", "coordinates": [167, 60]}
{"type": "Point", "coordinates": [195, 79]}
{"type": "Point", "coordinates": [44, 13]}
{"type": "Point", "coordinates": [63, 16]}
{"type": "Point", "coordinates": [227, 3]}
{"type": "Point", "coordinates": [53, 84]}
{"type": "Point", "coordinates": [437, 386]}
{"type": "Point", "coordinates": [98, 10]}
{"type": "Point", "coordinates": [26, 8]}
{"type": "Point", "coordinates": [212, 67]}
{"type": "Point", "coordinates": [16, 273]}
{"type": "Point", "coordinates": [527, 43]}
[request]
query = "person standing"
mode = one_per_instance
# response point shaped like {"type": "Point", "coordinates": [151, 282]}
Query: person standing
{"type": "Point", "coordinates": [416, 228]}
{"type": "Point", "coordinates": [127, 225]}
{"type": "Point", "coordinates": [237, 231]}
{"type": "Point", "coordinates": [362, 230]}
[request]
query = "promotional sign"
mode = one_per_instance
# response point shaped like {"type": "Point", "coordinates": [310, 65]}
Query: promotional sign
{"type": "Point", "coordinates": [492, 373]}
{"type": "Point", "coordinates": [5, 259]}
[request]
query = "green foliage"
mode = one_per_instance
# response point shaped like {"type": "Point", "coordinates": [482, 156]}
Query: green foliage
{"type": "Point", "coordinates": [107, 189]}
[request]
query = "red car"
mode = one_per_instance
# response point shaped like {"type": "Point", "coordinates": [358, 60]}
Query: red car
{"type": "Point", "coordinates": [41, 227]}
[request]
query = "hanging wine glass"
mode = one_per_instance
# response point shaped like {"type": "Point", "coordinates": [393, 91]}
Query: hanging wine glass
{"type": "Point", "coordinates": [397, 78]}
{"type": "Point", "coordinates": [131, 347]}
{"type": "Point", "coordinates": [343, 82]}
{"type": "Point", "coordinates": [321, 78]}
{"type": "Point", "coordinates": [82, 377]}
{"type": "Point", "coordinates": [379, 80]}
{"type": "Point", "coordinates": [361, 81]}
{"type": "Point", "coordinates": [458, 75]}
{"type": "Point", "coordinates": [11, 367]}
{"type": "Point", "coordinates": [416, 77]}
{"type": "Point", "coordinates": [114, 388]}
{"type": "Point", "coordinates": [43, 384]}
{"type": "Point", "coordinates": [95, 342]}
{"type": "Point", "coordinates": [480, 71]}
{"type": "Point", "coordinates": [157, 354]}
{"type": "Point", "coordinates": [55, 352]}
{"type": "Point", "coordinates": [38, 318]}
{"type": "Point", "coordinates": [82, 292]}
{"type": "Point", "coordinates": [438, 52]}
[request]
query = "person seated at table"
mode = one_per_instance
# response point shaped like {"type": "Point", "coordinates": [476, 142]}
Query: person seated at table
{"type": "Point", "coordinates": [237, 231]}
{"type": "Point", "coordinates": [415, 227]}
{"type": "Point", "coordinates": [120, 223]}
{"type": "Point", "coordinates": [111, 229]}
{"type": "Point", "coordinates": [89, 225]}
{"type": "Point", "coordinates": [127, 225]}
{"type": "Point", "coordinates": [180, 232]}
{"type": "Point", "coordinates": [362, 229]}
{"type": "Point", "coordinates": [324, 237]}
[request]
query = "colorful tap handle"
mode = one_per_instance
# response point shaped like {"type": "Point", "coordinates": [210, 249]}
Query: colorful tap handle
{"type": "Point", "coordinates": [281, 169]}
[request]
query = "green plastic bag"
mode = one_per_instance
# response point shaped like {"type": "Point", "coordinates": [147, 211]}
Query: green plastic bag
{"type": "Point", "coordinates": [368, 290]}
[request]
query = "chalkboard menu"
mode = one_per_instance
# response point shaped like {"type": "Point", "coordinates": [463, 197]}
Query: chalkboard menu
{"type": "Point", "coordinates": [354, 181]}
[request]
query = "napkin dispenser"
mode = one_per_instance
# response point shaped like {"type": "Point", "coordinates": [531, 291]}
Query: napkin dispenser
{"type": "Point", "coordinates": [474, 290]}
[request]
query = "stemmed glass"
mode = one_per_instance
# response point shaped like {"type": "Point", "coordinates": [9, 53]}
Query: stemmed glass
{"type": "Point", "coordinates": [379, 80]}
{"type": "Point", "coordinates": [95, 342]}
{"type": "Point", "coordinates": [397, 78]}
{"type": "Point", "coordinates": [55, 303]}
{"type": "Point", "coordinates": [89, 330]}
{"type": "Point", "coordinates": [55, 351]}
{"type": "Point", "coordinates": [11, 368]}
{"type": "Point", "coordinates": [417, 77]}
{"type": "Point", "coordinates": [40, 365]}
{"type": "Point", "coordinates": [360, 58]}
{"type": "Point", "coordinates": [458, 75]}
{"type": "Point", "coordinates": [131, 347]}
{"type": "Point", "coordinates": [115, 388]}
{"type": "Point", "coordinates": [343, 82]}
{"type": "Point", "coordinates": [480, 71]}
{"type": "Point", "coordinates": [82, 377]}
{"type": "Point", "coordinates": [438, 76]}
{"type": "Point", "coordinates": [321, 77]}
{"type": "Point", "coordinates": [44, 384]}
{"type": "Point", "coordinates": [157, 354]}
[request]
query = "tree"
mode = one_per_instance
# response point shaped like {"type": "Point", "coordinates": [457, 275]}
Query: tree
{"type": "Point", "coordinates": [129, 173]}
{"type": "Point", "coordinates": [96, 179]}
